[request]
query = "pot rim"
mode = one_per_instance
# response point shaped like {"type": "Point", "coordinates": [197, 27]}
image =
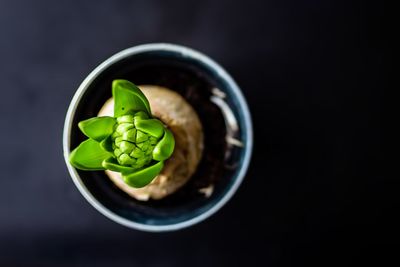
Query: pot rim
{"type": "Point", "coordinates": [185, 52]}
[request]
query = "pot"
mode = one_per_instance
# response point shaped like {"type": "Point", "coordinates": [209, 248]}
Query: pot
{"type": "Point", "coordinates": [223, 112]}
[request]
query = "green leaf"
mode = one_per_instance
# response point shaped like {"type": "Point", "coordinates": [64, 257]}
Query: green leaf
{"type": "Point", "coordinates": [152, 127]}
{"type": "Point", "coordinates": [97, 128]}
{"type": "Point", "coordinates": [113, 165]}
{"type": "Point", "coordinates": [106, 144]}
{"type": "Point", "coordinates": [143, 177]}
{"type": "Point", "coordinates": [128, 98]}
{"type": "Point", "coordinates": [164, 149]}
{"type": "Point", "coordinates": [89, 155]}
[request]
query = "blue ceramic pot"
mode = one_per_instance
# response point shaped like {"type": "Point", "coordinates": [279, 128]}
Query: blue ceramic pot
{"type": "Point", "coordinates": [227, 134]}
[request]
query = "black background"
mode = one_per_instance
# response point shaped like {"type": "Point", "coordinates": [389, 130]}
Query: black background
{"type": "Point", "coordinates": [314, 75]}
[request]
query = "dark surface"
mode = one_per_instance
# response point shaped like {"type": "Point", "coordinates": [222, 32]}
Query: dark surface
{"type": "Point", "coordinates": [314, 75]}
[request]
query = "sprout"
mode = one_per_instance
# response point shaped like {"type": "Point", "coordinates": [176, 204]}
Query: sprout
{"type": "Point", "coordinates": [132, 142]}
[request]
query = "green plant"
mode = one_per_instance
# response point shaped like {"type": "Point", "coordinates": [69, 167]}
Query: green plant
{"type": "Point", "coordinates": [132, 142]}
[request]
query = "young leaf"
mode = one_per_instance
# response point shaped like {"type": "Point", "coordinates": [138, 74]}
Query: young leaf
{"type": "Point", "coordinates": [112, 165]}
{"type": "Point", "coordinates": [128, 98]}
{"type": "Point", "coordinates": [153, 127]}
{"type": "Point", "coordinates": [143, 177]}
{"type": "Point", "coordinates": [97, 128]}
{"type": "Point", "coordinates": [164, 149]}
{"type": "Point", "coordinates": [107, 143]}
{"type": "Point", "coordinates": [89, 155]}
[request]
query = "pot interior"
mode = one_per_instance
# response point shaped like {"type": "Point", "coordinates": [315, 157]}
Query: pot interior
{"type": "Point", "coordinates": [221, 160]}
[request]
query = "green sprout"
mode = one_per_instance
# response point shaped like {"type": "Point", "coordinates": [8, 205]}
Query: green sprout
{"type": "Point", "coordinates": [132, 142]}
